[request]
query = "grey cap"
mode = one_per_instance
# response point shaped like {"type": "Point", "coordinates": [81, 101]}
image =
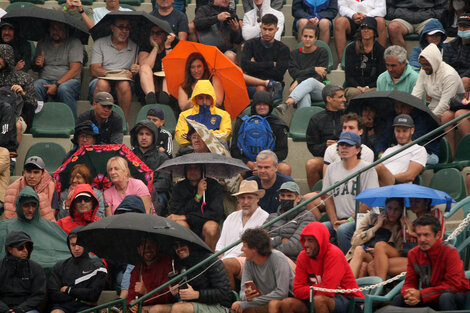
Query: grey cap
{"type": "Point", "coordinates": [403, 120]}
{"type": "Point", "coordinates": [104, 98]}
{"type": "Point", "coordinates": [290, 186]}
{"type": "Point", "coordinates": [37, 161]}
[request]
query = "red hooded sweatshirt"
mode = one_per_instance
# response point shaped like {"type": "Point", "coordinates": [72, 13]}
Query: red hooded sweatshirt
{"type": "Point", "coordinates": [79, 219]}
{"type": "Point", "coordinates": [329, 269]}
{"type": "Point", "coordinates": [438, 269]}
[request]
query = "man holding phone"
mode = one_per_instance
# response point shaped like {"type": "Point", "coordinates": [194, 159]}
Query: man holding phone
{"type": "Point", "coordinates": [267, 277]}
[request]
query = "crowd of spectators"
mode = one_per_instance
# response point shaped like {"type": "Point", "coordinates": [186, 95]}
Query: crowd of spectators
{"type": "Point", "coordinates": [272, 267]}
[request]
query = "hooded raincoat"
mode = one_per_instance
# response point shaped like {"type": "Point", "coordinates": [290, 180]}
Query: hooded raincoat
{"type": "Point", "coordinates": [84, 276]}
{"type": "Point", "coordinates": [22, 281]}
{"type": "Point", "coordinates": [432, 25]}
{"type": "Point", "coordinates": [441, 85]}
{"type": "Point", "coordinates": [50, 239]}
{"type": "Point", "coordinates": [328, 269]}
{"type": "Point", "coordinates": [216, 120]}
{"type": "Point", "coordinates": [76, 218]}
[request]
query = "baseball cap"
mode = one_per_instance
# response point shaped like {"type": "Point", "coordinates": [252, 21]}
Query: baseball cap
{"type": "Point", "coordinates": [464, 20]}
{"type": "Point", "coordinates": [26, 200]}
{"type": "Point", "coordinates": [83, 194]}
{"type": "Point", "coordinates": [435, 31]}
{"type": "Point", "coordinates": [35, 160]}
{"type": "Point", "coordinates": [157, 112]}
{"type": "Point", "coordinates": [403, 120]}
{"type": "Point", "coordinates": [290, 186]}
{"type": "Point", "coordinates": [351, 138]}
{"type": "Point", "coordinates": [7, 24]}
{"type": "Point", "coordinates": [104, 98]}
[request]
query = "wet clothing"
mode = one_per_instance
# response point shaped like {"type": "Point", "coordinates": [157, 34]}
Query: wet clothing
{"type": "Point", "coordinates": [22, 281]}
{"type": "Point", "coordinates": [432, 25]}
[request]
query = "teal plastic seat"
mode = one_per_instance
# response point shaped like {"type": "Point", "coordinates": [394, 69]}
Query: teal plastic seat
{"type": "Point", "coordinates": [170, 119]}
{"type": "Point", "coordinates": [318, 185]}
{"type": "Point", "coordinates": [21, 4]}
{"type": "Point", "coordinates": [462, 155]}
{"type": "Point", "coordinates": [129, 6]}
{"type": "Point", "coordinates": [411, 37]}
{"type": "Point", "coordinates": [55, 120]}
{"type": "Point", "coordinates": [451, 181]}
{"type": "Point", "coordinates": [363, 282]}
{"type": "Point", "coordinates": [445, 155]}
{"type": "Point", "coordinates": [299, 122]}
{"type": "Point", "coordinates": [343, 57]}
{"type": "Point", "coordinates": [463, 205]}
{"type": "Point", "coordinates": [52, 153]}
{"type": "Point", "coordinates": [371, 298]}
{"type": "Point", "coordinates": [322, 44]}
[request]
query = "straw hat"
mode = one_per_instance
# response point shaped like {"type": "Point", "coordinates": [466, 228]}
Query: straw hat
{"type": "Point", "coordinates": [249, 186]}
{"type": "Point", "coordinates": [160, 73]}
{"type": "Point", "coordinates": [116, 75]}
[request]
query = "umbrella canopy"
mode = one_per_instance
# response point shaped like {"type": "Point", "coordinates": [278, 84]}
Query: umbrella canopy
{"type": "Point", "coordinates": [231, 76]}
{"type": "Point", "coordinates": [32, 23]}
{"type": "Point", "coordinates": [383, 102]}
{"type": "Point", "coordinates": [217, 166]}
{"type": "Point", "coordinates": [117, 237]}
{"type": "Point", "coordinates": [213, 144]}
{"type": "Point", "coordinates": [377, 196]}
{"type": "Point", "coordinates": [140, 23]}
{"type": "Point", "coordinates": [96, 158]}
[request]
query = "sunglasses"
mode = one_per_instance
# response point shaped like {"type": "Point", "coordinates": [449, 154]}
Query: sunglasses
{"type": "Point", "coordinates": [20, 248]}
{"type": "Point", "coordinates": [107, 106]}
{"type": "Point", "coordinates": [86, 199]}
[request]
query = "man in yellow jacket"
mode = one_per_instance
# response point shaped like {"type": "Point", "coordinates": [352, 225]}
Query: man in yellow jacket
{"type": "Point", "coordinates": [205, 112]}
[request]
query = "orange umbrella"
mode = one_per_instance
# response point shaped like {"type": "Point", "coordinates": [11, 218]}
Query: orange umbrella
{"type": "Point", "coordinates": [231, 76]}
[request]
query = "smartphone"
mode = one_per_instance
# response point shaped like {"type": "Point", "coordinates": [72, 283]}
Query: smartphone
{"type": "Point", "coordinates": [251, 286]}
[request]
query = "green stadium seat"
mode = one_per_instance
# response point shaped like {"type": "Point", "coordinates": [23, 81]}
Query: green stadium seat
{"type": "Point", "coordinates": [84, 2]}
{"type": "Point", "coordinates": [343, 57]}
{"type": "Point", "coordinates": [462, 155]}
{"type": "Point", "coordinates": [299, 122]}
{"type": "Point", "coordinates": [323, 45]}
{"type": "Point", "coordinates": [21, 4]}
{"type": "Point", "coordinates": [411, 37]}
{"type": "Point", "coordinates": [170, 119]}
{"type": "Point", "coordinates": [363, 282]}
{"type": "Point", "coordinates": [318, 185]}
{"type": "Point", "coordinates": [451, 181]}
{"type": "Point", "coordinates": [445, 155]}
{"type": "Point", "coordinates": [130, 3]}
{"type": "Point", "coordinates": [52, 153]}
{"type": "Point", "coordinates": [126, 5]}
{"type": "Point", "coordinates": [55, 120]}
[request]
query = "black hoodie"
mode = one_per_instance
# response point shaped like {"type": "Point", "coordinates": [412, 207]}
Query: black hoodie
{"type": "Point", "coordinates": [22, 281]}
{"type": "Point", "coordinates": [84, 276]}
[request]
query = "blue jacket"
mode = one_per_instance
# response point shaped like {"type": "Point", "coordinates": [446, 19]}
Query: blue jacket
{"type": "Point", "coordinates": [314, 8]}
{"type": "Point", "coordinates": [430, 26]}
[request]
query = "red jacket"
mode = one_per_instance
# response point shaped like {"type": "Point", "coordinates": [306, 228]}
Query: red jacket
{"type": "Point", "coordinates": [79, 219]}
{"type": "Point", "coordinates": [328, 270]}
{"type": "Point", "coordinates": [153, 276]}
{"type": "Point", "coordinates": [439, 270]}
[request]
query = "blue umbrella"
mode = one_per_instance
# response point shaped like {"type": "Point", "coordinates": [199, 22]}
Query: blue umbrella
{"type": "Point", "coordinates": [377, 196]}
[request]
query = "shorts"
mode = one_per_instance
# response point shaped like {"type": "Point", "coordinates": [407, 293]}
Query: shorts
{"type": "Point", "coordinates": [354, 27]}
{"type": "Point", "coordinates": [71, 307]}
{"type": "Point", "coordinates": [23, 124]}
{"type": "Point", "coordinates": [241, 260]}
{"type": "Point", "coordinates": [208, 308]}
{"type": "Point", "coordinates": [341, 304]}
{"type": "Point", "coordinates": [412, 28]}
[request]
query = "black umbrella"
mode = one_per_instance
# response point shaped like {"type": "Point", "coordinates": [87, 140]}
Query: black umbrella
{"type": "Point", "coordinates": [117, 237]}
{"type": "Point", "coordinates": [215, 165]}
{"type": "Point", "coordinates": [140, 23]}
{"type": "Point", "coordinates": [32, 23]}
{"type": "Point", "coordinates": [383, 102]}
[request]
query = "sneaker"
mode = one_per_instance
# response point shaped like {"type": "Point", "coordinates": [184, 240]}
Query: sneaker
{"type": "Point", "coordinates": [116, 308]}
{"type": "Point", "coordinates": [339, 68]}
{"type": "Point", "coordinates": [275, 86]}
{"type": "Point", "coordinates": [282, 108]}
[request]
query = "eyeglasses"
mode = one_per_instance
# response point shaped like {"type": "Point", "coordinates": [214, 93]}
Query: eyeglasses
{"type": "Point", "coordinates": [85, 136]}
{"type": "Point", "coordinates": [107, 106]}
{"type": "Point", "coordinates": [86, 199]}
{"type": "Point", "coordinates": [21, 248]}
{"type": "Point", "coordinates": [157, 33]}
{"type": "Point", "coordinates": [123, 27]}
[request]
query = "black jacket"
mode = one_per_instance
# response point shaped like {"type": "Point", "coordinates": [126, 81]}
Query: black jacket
{"type": "Point", "coordinates": [110, 131]}
{"type": "Point", "coordinates": [280, 132]}
{"type": "Point", "coordinates": [415, 11]}
{"type": "Point", "coordinates": [182, 203]}
{"type": "Point", "coordinates": [22, 281]}
{"type": "Point", "coordinates": [302, 65]}
{"type": "Point", "coordinates": [263, 66]}
{"type": "Point", "coordinates": [356, 74]}
{"type": "Point", "coordinates": [152, 157]}
{"type": "Point", "coordinates": [213, 285]}
{"type": "Point", "coordinates": [457, 55]}
{"type": "Point", "coordinates": [85, 277]}
{"type": "Point", "coordinates": [323, 126]}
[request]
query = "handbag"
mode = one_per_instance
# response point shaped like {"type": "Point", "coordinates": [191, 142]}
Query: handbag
{"type": "Point", "coordinates": [406, 247]}
{"type": "Point", "coordinates": [460, 101]}
{"type": "Point", "coordinates": [382, 234]}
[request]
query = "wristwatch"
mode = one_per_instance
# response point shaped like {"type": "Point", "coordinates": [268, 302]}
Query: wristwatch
{"type": "Point", "coordinates": [81, 11]}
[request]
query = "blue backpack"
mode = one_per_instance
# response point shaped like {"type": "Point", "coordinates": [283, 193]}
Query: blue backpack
{"type": "Point", "coordinates": [254, 136]}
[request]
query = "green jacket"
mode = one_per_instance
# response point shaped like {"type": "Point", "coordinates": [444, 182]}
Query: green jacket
{"type": "Point", "coordinates": [406, 82]}
{"type": "Point", "coordinates": [50, 241]}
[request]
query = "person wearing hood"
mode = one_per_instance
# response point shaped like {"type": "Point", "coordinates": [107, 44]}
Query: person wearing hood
{"type": "Point", "coordinates": [144, 139]}
{"type": "Point", "coordinates": [262, 105]}
{"type": "Point", "coordinates": [76, 283]}
{"type": "Point", "coordinates": [434, 33]}
{"type": "Point", "coordinates": [321, 264]}
{"type": "Point", "coordinates": [188, 208]}
{"type": "Point", "coordinates": [85, 134]}
{"type": "Point", "coordinates": [83, 209]}
{"type": "Point", "coordinates": [205, 112]}
{"type": "Point", "coordinates": [21, 47]}
{"type": "Point", "coordinates": [22, 281]}
{"type": "Point", "coordinates": [165, 138]}
{"type": "Point", "coordinates": [439, 82]}
{"type": "Point", "coordinates": [435, 274]}
{"type": "Point", "coordinates": [36, 176]}
{"type": "Point", "coordinates": [285, 233]}
{"type": "Point", "coordinates": [21, 83]}
{"type": "Point", "coordinates": [251, 27]}
{"type": "Point", "coordinates": [50, 238]}
{"type": "Point", "coordinates": [207, 289]}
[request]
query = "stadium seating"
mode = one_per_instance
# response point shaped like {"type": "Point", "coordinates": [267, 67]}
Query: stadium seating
{"type": "Point", "coordinates": [55, 120]}
{"type": "Point", "coordinates": [299, 122]}
{"type": "Point", "coordinates": [170, 120]}
{"type": "Point", "coordinates": [52, 153]}
{"type": "Point", "coordinates": [451, 181]}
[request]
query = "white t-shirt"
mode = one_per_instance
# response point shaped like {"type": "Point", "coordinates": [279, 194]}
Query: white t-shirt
{"type": "Point", "coordinates": [99, 13]}
{"type": "Point", "coordinates": [332, 155]}
{"type": "Point", "coordinates": [233, 229]}
{"type": "Point", "coordinates": [343, 196]}
{"type": "Point", "coordinates": [400, 162]}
